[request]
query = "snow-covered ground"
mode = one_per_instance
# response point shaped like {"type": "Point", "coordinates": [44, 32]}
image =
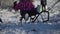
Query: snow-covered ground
{"type": "Point", "coordinates": [11, 16]}
{"type": "Point", "coordinates": [8, 16]}
{"type": "Point", "coordinates": [11, 22]}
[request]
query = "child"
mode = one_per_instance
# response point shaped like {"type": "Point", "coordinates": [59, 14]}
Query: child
{"type": "Point", "coordinates": [25, 6]}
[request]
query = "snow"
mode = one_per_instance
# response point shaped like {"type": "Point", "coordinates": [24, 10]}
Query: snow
{"type": "Point", "coordinates": [30, 29]}
{"type": "Point", "coordinates": [11, 23]}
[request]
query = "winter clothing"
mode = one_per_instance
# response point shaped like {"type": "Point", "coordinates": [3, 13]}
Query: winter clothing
{"type": "Point", "coordinates": [24, 5]}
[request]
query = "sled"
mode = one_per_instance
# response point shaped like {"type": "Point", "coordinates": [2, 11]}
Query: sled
{"type": "Point", "coordinates": [43, 4]}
